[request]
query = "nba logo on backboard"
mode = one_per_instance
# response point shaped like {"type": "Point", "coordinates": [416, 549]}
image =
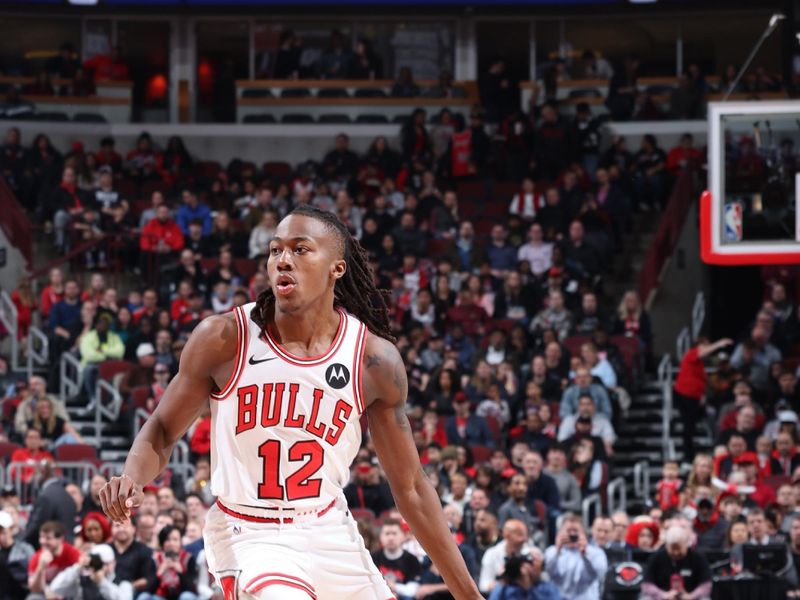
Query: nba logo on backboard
{"type": "Point", "coordinates": [733, 222]}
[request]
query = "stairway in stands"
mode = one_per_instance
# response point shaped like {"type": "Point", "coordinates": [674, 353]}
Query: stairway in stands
{"type": "Point", "coordinates": [640, 438]}
{"type": "Point", "coordinates": [115, 439]}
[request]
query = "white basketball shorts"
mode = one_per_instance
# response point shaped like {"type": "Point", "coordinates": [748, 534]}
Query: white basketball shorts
{"type": "Point", "coordinates": [321, 557]}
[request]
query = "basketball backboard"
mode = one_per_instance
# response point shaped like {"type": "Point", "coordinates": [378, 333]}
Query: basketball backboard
{"type": "Point", "coordinates": [749, 214]}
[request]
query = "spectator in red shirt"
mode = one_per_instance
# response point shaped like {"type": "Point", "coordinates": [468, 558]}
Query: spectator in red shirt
{"type": "Point", "coordinates": [108, 66]}
{"type": "Point", "coordinates": [200, 442]}
{"type": "Point", "coordinates": [690, 387]}
{"type": "Point", "coordinates": [684, 156]}
{"type": "Point", "coordinates": [161, 238]}
{"type": "Point", "coordinates": [53, 293]}
{"type": "Point", "coordinates": [23, 299]}
{"type": "Point", "coordinates": [31, 454]}
{"type": "Point", "coordinates": [469, 314]}
{"type": "Point", "coordinates": [54, 555]}
{"type": "Point", "coordinates": [149, 307]}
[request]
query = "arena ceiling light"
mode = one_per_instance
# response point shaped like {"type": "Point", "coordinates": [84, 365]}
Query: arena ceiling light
{"type": "Point", "coordinates": [83, 2]}
{"type": "Point", "coordinates": [642, 1]}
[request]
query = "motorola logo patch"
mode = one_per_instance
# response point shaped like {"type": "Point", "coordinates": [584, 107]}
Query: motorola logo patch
{"type": "Point", "coordinates": [337, 376]}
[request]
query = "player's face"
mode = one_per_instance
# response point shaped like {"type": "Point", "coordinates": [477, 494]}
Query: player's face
{"type": "Point", "coordinates": [304, 262]}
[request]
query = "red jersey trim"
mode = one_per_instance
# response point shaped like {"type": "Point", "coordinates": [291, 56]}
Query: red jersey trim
{"type": "Point", "coordinates": [254, 519]}
{"type": "Point", "coordinates": [294, 582]}
{"type": "Point", "coordinates": [358, 361]}
{"type": "Point", "coordinates": [310, 361]}
{"type": "Point", "coordinates": [241, 342]}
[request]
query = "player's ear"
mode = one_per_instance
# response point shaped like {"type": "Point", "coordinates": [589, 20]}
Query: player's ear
{"type": "Point", "coordinates": [338, 268]}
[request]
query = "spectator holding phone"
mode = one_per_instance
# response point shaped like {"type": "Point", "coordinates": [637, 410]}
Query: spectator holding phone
{"type": "Point", "coordinates": [91, 578]}
{"type": "Point", "coordinates": [176, 569]}
{"type": "Point", "coordinates": [574, 565]}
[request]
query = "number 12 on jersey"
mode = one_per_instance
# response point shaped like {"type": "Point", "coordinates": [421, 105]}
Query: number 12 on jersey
{"type": "Point", "coordinates": [299, 484]}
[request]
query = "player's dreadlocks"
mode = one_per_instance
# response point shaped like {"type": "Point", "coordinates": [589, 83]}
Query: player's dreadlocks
{"type": "Point", "coordinates": [355, 291]}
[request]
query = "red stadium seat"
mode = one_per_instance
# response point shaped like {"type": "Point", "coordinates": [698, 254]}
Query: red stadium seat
{"type": "Point", "coordinates": [7, 449]}
{"type": "Point", "coordinates": [127, 189]}
{"type": "Point", "coordinates": [246, 267]}
{"type": "Point", "coordinates": [574, 342]}
{"type": "Point", "coordinates": [208, 264]}
{"type": "Point", "coordinates": [207, 169]}
{"type": "Point", "coordinates": [438, 247]}
{"type": "Point", "coordinates": [494, 425]}
{"type": "Point", "coordinates": [481, 454]}
{"type": "Point", "coordinates": [139, 396]}
{"type": "Point", "coordinates": [277, 170]}
{"type": "Point", "coordinates": [109, 369]}
{"type": "Point", "coordinates": [148, 187]}
{"type": "Point", "coordinates": [75, 452]}
{"type": "Point", "coordinates": [363, 513]}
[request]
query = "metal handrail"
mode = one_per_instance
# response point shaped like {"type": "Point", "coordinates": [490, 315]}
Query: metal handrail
{"type": "Point", "coordinates": [592, 500]}
{"type": "Point", "coordinates": [665, 382]}
{"type": "Point", "coordinates": [181, 454]}
{"type": "Point", "coordinates": [698, 315]}
{"type": "Point", "coordinates": [683, 342]}
{"type": "Point", "coordinates": [37, 354]}
{"type": "Point", "coordinates": [9, 319]}
{"type": "Point", "coordinates": [641, 479]}
{"type": "Point", "coordinates": [109, 410]}
{"type": "Point", "coordinates": [617, 489]}
{"type": "Point", "coordinates": [69, 385]}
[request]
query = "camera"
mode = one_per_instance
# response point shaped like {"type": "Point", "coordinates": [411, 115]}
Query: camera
{"type": "Point", "coordinates": [95, 562]}
{"type": "Point", "coordinates": [573, 538]}
{"type": "Point", "coordinates": [171, 555]}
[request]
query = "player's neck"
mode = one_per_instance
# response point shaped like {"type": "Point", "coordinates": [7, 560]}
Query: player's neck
{"type": "Point", "coordinates": [310, 329]}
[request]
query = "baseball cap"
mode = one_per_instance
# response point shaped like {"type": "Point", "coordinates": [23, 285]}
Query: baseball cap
{"type": "Point", "coordinates": [6, 520]}
{"type": "Point", "coordinates": [787, 416]}
{"type": "Point", "coordinates": [104, 551]}
{"type": "Point", "coordinates": [145, 349]}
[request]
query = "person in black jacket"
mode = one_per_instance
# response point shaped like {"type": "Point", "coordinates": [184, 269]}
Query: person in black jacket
{"type": "Point", "coordinates": [52, 504]}
{"type": "Point", "coordinates": [368, 489]}
{"type": "Point", "coordinates": [134, 559]}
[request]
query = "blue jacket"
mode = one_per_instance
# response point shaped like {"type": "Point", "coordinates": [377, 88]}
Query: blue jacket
{"type": "Point", "coordinates": [64, 315]}
{"type": "Point", "coordinates": [477, 432]}
{"type": "Point", "coordinates": [186, 214]}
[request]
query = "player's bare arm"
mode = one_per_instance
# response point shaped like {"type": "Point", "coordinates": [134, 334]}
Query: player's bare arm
{"type": "Point", "coordinates": [386, 388]}
{"type": "Point", "coordinates": [206, 363]}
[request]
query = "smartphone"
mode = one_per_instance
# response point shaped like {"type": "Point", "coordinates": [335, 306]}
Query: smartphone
{"type": "Point", "coordinates": [573, 538]}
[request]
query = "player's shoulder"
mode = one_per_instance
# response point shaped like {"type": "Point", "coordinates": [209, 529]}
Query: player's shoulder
{"type": "Point", "coordinates": [214, 338]}
{"type": "Point", "coordinates": [380, 352]}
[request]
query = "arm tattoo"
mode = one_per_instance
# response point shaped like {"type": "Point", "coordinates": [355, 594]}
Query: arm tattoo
{"type": "Point", "coordinates": [400, 381]}
{"type": "Point", "coordinates": [400, 416]}
{"type": "Point", "coordinates": [373, 360]}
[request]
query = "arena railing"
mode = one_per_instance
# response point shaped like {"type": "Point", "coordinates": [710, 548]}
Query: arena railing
{"type": "Point", "coordinates": [38, 349]}
{"type": "Point", "coordinates": [72, 471]}
{"type": "Point", "coordinates": [70, 376]}
{"type": "Point", "coordinates": [8, 318]}
{"type": "Point", "coordinates": [641, 479]}
{"type": "Point", "coordinates": [686, 337]}
{"type": "Point", "coordinates": [107, 404]}
{"type": "Point", "coordinates": [180, 461]}
{"type": "Point", "coordinates": [591, 506]}
{"type": "Point", "coordinates": [617, 495]}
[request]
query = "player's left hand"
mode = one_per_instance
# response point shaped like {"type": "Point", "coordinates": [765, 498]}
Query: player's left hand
{"type": "Point", "coordinates": [119, 497]}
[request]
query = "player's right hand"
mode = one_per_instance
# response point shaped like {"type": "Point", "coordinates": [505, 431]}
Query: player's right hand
{"type": "Point", "coordinates": [119, 497]}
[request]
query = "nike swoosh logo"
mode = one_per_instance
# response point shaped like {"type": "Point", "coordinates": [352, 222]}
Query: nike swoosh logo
{"type": "Point", "coordinates": [253, 360]}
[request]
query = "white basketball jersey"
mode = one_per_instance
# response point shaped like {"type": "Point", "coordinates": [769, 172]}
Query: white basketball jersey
{"type": "Point", "coordinates": [285, 429]}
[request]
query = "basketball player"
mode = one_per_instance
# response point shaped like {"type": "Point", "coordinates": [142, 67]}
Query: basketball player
{"type": "Point", "coordinates": [288, 377]}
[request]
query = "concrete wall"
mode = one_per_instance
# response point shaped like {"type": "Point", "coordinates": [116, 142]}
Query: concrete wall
{"type": "Point", "coordinates": [684, 275]}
